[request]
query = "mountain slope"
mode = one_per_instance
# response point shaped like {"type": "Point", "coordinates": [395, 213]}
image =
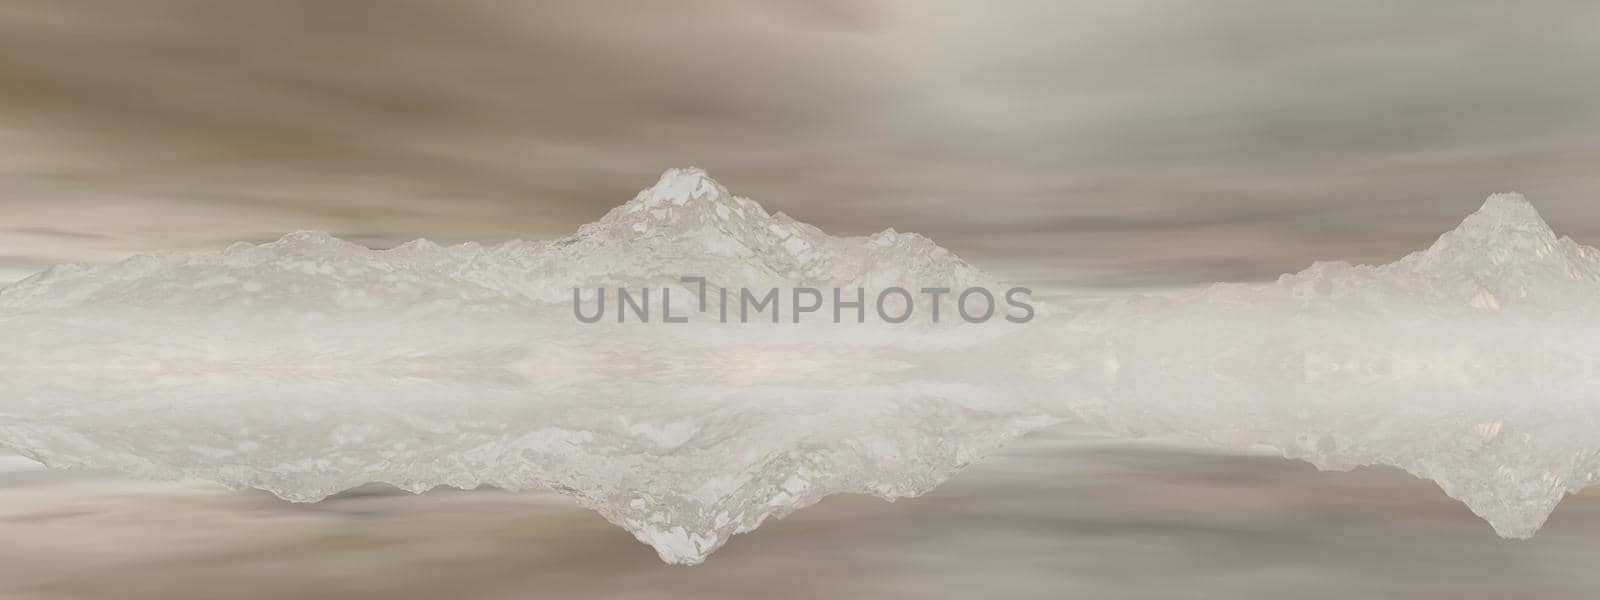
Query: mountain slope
{"type": "Point", "coordinates": [1504, 257]}
{"type": "Point", "coordinates": [690, 225]}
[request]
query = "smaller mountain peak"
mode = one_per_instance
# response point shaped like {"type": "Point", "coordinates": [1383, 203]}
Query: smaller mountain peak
{"type": "Point", "coordinates": [1509, 208]}
{"type": "Point", "coordinates": [1507, 230]}
{"type": "Point", "coordinates": [309, 240]}
{"type": "Point", "coordinates": [887, 237]}
{"type": "Point", "coordinates": [419, 245]}
{"type": "Point", "coordinates": [307, 237]}
{"type": "Point", "coordinates": [892, 237]}
{"type": "Point", "coordinates": [1504, 216]}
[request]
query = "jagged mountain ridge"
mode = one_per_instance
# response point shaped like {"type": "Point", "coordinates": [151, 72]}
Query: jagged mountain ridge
{"type": "Point", "coordinates": [687, 224]}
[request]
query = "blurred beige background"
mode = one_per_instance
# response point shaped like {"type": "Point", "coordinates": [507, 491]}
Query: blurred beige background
{"type": "Point", "coordinates": [1061, 144]}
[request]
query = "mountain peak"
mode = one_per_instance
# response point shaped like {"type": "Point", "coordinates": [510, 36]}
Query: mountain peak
{"type": "Point", "coordinates": [678, 187]}
{"type": "Point", "coordinates": [1507, 223]}
{"type": "Point", "coordinates": [1506, 238]}
{"type": "Point", "coordinates": [308, 238]}
{"type": "Point", "coordinates": [689, 223]}
{"type": "Point", "coordinates": [1505, 214]}
{"type": "Point", "coordinates": [685, 198]}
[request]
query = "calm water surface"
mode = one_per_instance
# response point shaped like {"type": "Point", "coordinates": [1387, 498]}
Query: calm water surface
{"type": "Point", "coordinates": [1064, 513]}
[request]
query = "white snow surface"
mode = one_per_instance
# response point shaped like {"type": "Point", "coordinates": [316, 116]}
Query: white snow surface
{"type": "Point", "coordinates": [310, 365]}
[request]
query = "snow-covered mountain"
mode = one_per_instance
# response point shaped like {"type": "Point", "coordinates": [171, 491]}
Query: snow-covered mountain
{"type": "Point", "coordinates": [1472, 363]}
{"type": "Point", "coordinates": [687, 224]}
{"type": "Point", "coordinates": [1504, 257]}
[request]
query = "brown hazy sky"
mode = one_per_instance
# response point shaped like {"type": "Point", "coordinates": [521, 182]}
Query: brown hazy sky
{"type": "Point", "coordinates": [1055, 143]}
